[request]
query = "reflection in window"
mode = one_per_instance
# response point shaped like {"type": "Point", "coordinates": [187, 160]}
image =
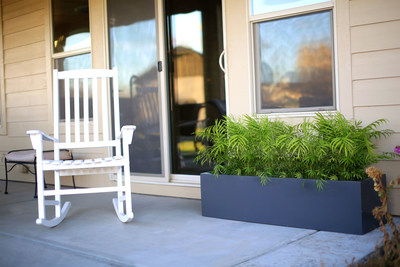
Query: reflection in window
{"type": "Point", "coordinates": [196, 83]}
{"type": "Point", "coordinates": [265, 6]}
{"type": "Point", "coordinates": [70, 25]}
{"type": "Point", "coordinates": [72, 63]}
{"type": "Point", "coordinates": [188, 59]}
{"type": "Point", "coordinates": [189, 37]}
{"type": "Point", "coordinates": [83, 61]}
{"type": "Point", "coordinates": [133, 50]}
{"type": "Point", "coordinates": [295, 63]}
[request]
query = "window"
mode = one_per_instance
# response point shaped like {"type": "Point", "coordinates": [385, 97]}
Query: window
{"type": "Point", "coordinates": [294, 58]}
{"type": "Point", "coordinates": [71, 39]}
{"type": "Point", "coordinates": [70, 25]}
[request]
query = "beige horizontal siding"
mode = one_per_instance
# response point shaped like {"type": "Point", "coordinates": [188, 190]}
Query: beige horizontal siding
{"type": "Point", "coordinates": [17, 174]}
{"type": "Point", "coordinates": [370, 114]}
{"type": "Point", "coordinates": [24, 22]}
{"type": "Point", "coordinates": [23, 53]}
{"type": "Point", "coordinates": [12, 143]}
{"type": "Point", "coordinates": [20, 8]}
{"type": "Point", "coordinates": [386, 144]}
{"type": "Point", "coordinates": [25, 99]}
{"type": "Point", "coordinates": [389, 167]}
{"type": "Point", "coordinates": [377, 64]}
{"type": "Point", "coordinates": [30, 36]}
{"type": "Point", "coordinates": [17, 129]}
{"type": "Point", "coordinates": [27, 114]}
{"type": "Point", "coordinates": [394, 207]}
{"type": "Point", "coordinates": [375, 48]}
{"type": "Point", "coordinates": [26, 83]}
{"type": "Point", "coordinates": [25, 68]}
{"type": "Point", "coordinates": [376, 92]}
{"type": "Point", "coordinates": [379, 36]}
{"type": "Point", "coordinates": [392, 171]}
{"type": "Point", "coordinates": [10, 2]}
{"type": "Point", "coordinates": [373, 11]}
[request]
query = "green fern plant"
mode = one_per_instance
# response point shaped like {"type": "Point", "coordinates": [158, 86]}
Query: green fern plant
{"type": "Point", "coordinates": [330, 147]}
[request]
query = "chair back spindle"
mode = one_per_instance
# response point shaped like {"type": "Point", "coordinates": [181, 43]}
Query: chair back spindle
{"type": "Point", "coordinates": [87, 91]}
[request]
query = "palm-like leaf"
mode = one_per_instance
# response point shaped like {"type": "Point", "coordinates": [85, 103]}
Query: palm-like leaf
{"type": "Point", "coordinates": [330, 147]}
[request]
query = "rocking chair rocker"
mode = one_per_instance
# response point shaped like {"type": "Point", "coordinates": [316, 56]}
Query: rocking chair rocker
{"type": "Point", "coordinates": [83, 84]}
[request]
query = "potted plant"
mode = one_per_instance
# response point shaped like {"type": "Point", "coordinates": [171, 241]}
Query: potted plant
{"type": "Point", "coordinates": [323, 162]}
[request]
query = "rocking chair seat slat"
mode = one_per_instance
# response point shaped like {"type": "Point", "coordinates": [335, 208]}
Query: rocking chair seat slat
{"type": "Point", "coordinates": [59, 165]}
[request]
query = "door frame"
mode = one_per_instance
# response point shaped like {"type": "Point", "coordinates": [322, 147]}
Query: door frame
{"type": "Point", "coordinates": [166, 177]}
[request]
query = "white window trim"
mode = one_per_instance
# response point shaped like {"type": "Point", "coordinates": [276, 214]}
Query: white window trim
{"type": "Point", "coordinates": [3, 122]}
{"type": "Point", "coordinates": [290, 12]}
{"type": "Point", "coordinates": [71, 53]}
{"type": "Point", "coordinates": [253, 19]}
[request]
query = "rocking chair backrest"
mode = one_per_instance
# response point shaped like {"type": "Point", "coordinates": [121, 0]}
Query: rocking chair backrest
{"type": "Point", "coordinates": [79, 85]}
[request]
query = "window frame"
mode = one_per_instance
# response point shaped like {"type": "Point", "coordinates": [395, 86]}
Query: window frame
{"type": "Point", "coordinates": [254, 59]}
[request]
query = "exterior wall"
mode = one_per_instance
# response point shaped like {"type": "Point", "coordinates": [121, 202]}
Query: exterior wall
{"type": "Point", "coordinates": [237, 52]}
{"type": "Point", "coordinates": [27, 82]}
{"type": "Point", "coordinates": [368, 67]}
{"type": "Point", "coordinates": [375, 55]}
{"type": "Point", "coordinates": [368, 70]}
{"type": "Point", "coordinates": [25, 76]}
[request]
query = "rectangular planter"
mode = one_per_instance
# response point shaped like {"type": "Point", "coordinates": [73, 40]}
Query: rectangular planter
{"type": "Point", "coordinates": [342, 206]}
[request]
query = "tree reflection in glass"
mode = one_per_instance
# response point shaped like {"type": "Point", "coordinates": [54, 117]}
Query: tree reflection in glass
{"type": "Point", "coordinates": [295, 67]}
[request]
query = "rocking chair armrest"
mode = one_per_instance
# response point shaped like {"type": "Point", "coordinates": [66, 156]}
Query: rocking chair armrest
{"type": "Point", "coordinates": [45, 137]}
{"type": "Point", "coordinates": [127, 132]}
{"type": "Point", "coordinates": [38, 136]}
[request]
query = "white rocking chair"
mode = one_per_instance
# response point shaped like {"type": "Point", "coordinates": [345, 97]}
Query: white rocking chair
{"type": "Point", "coordinates": [94, 134]}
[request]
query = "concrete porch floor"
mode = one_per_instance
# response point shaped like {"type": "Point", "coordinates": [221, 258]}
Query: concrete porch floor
{"type": "Point", "coordinates": [165, 232]}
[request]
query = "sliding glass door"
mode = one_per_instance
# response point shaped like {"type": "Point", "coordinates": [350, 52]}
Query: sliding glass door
{"type": "Point", "coordinates": [168, 100]}
{"type": "Point", "coordinates": [196, 83]}
{"type": "Point", "coordinates": [133, 50]}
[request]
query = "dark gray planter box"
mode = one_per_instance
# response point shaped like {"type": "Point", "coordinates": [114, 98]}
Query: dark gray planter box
{"type": "Point", "coordinates": [343, 206]}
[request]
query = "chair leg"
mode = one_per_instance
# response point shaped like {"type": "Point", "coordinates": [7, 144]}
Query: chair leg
{"type": "Point", "coordinates": [120, 192]}
{"type": "Point", "coordinates": [57, 197]}
{"type": "Point", "coordinates": [128, 197]}
{"type": "Point", "coordinates": [5, 165]}
{"type": "Point", "coordinates": [41, 198]}
{"type": "Point", "coordinates": [60, 213]}
{"type": "Point", "coordinates": [123, 203]}
{"type": "Point", "coordinates": [36, 184]}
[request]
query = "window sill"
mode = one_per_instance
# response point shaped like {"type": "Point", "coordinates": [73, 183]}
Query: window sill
{"type": "Point", "coordinates": [295, 114]}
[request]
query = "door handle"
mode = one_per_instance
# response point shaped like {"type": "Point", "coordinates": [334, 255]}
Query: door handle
{"type": "Point", "coordinates": [221, 56]}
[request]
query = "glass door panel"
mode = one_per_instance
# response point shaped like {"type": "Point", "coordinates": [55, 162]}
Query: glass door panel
{"type": "Point", "coordinates": [133, 49]}
{"type": "Point", "coordinates": [196, 83]}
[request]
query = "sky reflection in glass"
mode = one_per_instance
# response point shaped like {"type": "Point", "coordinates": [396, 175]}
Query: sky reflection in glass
{"type": "Point", "coordinates": [187, 31]}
